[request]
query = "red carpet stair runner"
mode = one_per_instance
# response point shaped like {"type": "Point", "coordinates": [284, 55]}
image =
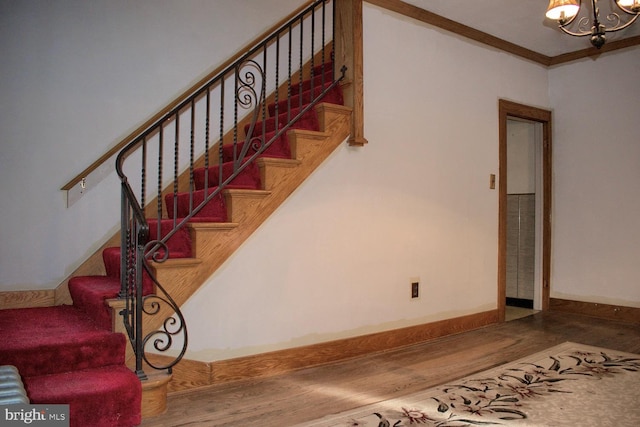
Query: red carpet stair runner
{"type": "Point", "coordinates": [69, 354]}
{"type": "Point", "coordinates": [65, 358]}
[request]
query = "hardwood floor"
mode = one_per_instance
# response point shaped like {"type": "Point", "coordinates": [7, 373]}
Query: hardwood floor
{"type": "Point", "coordinates": [308, 394]}
{"type": "Point", "coordinates": [513, 313]}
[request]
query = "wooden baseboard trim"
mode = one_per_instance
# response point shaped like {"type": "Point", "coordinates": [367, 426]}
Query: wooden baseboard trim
{"type": "Point", "coordinates": [602, 311]}
{"type": "Point", "coordinates": [26, 299]}
{"type": "Point", "coordinates": [189, 374]}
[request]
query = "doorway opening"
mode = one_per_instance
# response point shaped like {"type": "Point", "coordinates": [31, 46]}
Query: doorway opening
{"type": "Point", "coordinates": [524, 249]}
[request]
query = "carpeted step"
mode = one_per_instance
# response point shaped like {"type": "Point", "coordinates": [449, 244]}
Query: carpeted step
{"type": "Point", "coordinates": [319, 80]}
{"type": "Point", "coordinates": [279, 148]}
{"type": "Point", "coordinates": [180, 205]}
{"type": "Point", "coordinates": [334, 96]}
{"type": "Point", "coordinates": [51, 340]}
{"type": "Point", "coordinates": [179, 244]}
{"type": "Point", "coordinates": [248, 179]}
{"type": "Point", "coordinates": [111, 258]}
{"type": "Point", "coordinates": [89, 294]}
{"type": "Point", "coordinates": [105, 396]}
{"type": "Point", "coordinates": [308, 121]}
{"type": "Point", "coordinates": [325, 67]}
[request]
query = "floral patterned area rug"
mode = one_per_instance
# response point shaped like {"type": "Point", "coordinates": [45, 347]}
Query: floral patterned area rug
{"type": "Point", "coordinates": [566, 385]}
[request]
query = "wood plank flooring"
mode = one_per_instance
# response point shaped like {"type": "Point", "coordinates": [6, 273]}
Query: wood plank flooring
{"type": "Point", "coordinates": [304, 395]}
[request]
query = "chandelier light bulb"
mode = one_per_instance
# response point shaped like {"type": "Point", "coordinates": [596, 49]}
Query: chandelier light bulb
{"type": "Point", "coordinates": [633, 5]}
{"type": "Point", "coordinates": [562, 10]}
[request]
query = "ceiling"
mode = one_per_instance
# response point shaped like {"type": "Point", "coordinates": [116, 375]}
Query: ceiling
{"type": "Point", "coordinates": [518, 21]}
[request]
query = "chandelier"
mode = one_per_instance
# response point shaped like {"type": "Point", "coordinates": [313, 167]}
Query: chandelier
{"type": "Point", "coordinates": [587, 23]}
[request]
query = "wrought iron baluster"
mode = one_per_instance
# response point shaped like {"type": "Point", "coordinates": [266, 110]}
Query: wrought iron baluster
{"type": "Point", "coordinates": [143, 172]}
{"type": "Point", "coordinates": [324, 58]}
{"type": "Point", "coordinates": [192, 148]}
{"type": "Point", "coordinates": [289, 74]}
{"type": "Point", "coordinates": [206, 140]}
{"type": "Point", "coordinates": [159, 183]}
{"type": "Point", "coordinates": [300, 74]}
{"type": "Point", "coordinates": [333, 42]}
{"type": "Point", "coordinates": [263, 97]}
{"type": "Point", "coordinates": [235, 118]}
{"type": "Point", "coordinates": [220, 147]}
{"type": "Point", "coordinates": [137, 309]}
{"type": "Point", "coordinates": [277, 80]}
{"type": "Point", "coordinates": [176, 167]}
{"type": "Point", "coordinates": [313, 34]}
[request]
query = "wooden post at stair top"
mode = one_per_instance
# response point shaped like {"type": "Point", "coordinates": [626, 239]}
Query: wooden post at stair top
{"type": "Point", "coordinates": [349, 51]}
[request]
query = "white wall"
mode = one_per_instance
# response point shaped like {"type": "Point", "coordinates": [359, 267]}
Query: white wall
{"type": "Point", "coordinates": [78, 76]}
{"type": "Point", "coordinates": [596, 155]}
{"type": "Point", "coordinates": [337, 259]}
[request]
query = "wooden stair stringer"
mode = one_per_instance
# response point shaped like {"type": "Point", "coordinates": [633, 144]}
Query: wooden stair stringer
{"type": "Point", "coordinates": [248, 209]}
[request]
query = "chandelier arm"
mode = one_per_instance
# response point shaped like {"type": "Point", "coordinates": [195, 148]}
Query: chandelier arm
{"type": "Point", "coordinates": [571, 33]}
{"type": "Point", "coordinates": [623, 26]}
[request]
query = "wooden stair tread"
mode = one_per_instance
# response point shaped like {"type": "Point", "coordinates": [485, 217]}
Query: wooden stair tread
{"type": "Point", "coordinates": [315, 134]}
{"type": "Point", "coordinates": [210, 226]}
{"type": "Point", "coordinates": [337, 108]}
{"type": "Point", "coordinates": [177, 263]}
{"type": "Point", "coordinates": [242, 192]}
{"type": "Point", "coordinates": [274, 161]}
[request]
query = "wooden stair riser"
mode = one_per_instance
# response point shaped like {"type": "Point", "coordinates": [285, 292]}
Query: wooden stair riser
{"type": "Point", "coordinates": [207, 237]}
{"type": "Point", "coordinates": [274, 171]}
{"type": "Point", "coordinates": [305, 143]}
{"type": "Point", "coordinates": [241, 204]}
{"type": "Point", "coordinates": [328, 114]}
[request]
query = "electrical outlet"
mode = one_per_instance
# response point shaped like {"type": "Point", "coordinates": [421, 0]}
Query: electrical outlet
{"type": "Point", "coordinates": [415, 290]}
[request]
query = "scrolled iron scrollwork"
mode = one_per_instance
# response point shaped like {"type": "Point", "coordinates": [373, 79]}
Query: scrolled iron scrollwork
{"type": "Point", "coordinates": [246, 93]}
{"type": "Point", "coordinates": [257, 142]}
{"type": "Point", "coordinates": [173, 326]}
{"type": "Point", "coordinates": [250, 94]}
{"type": "Point", "coordinates": [157, 250]}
